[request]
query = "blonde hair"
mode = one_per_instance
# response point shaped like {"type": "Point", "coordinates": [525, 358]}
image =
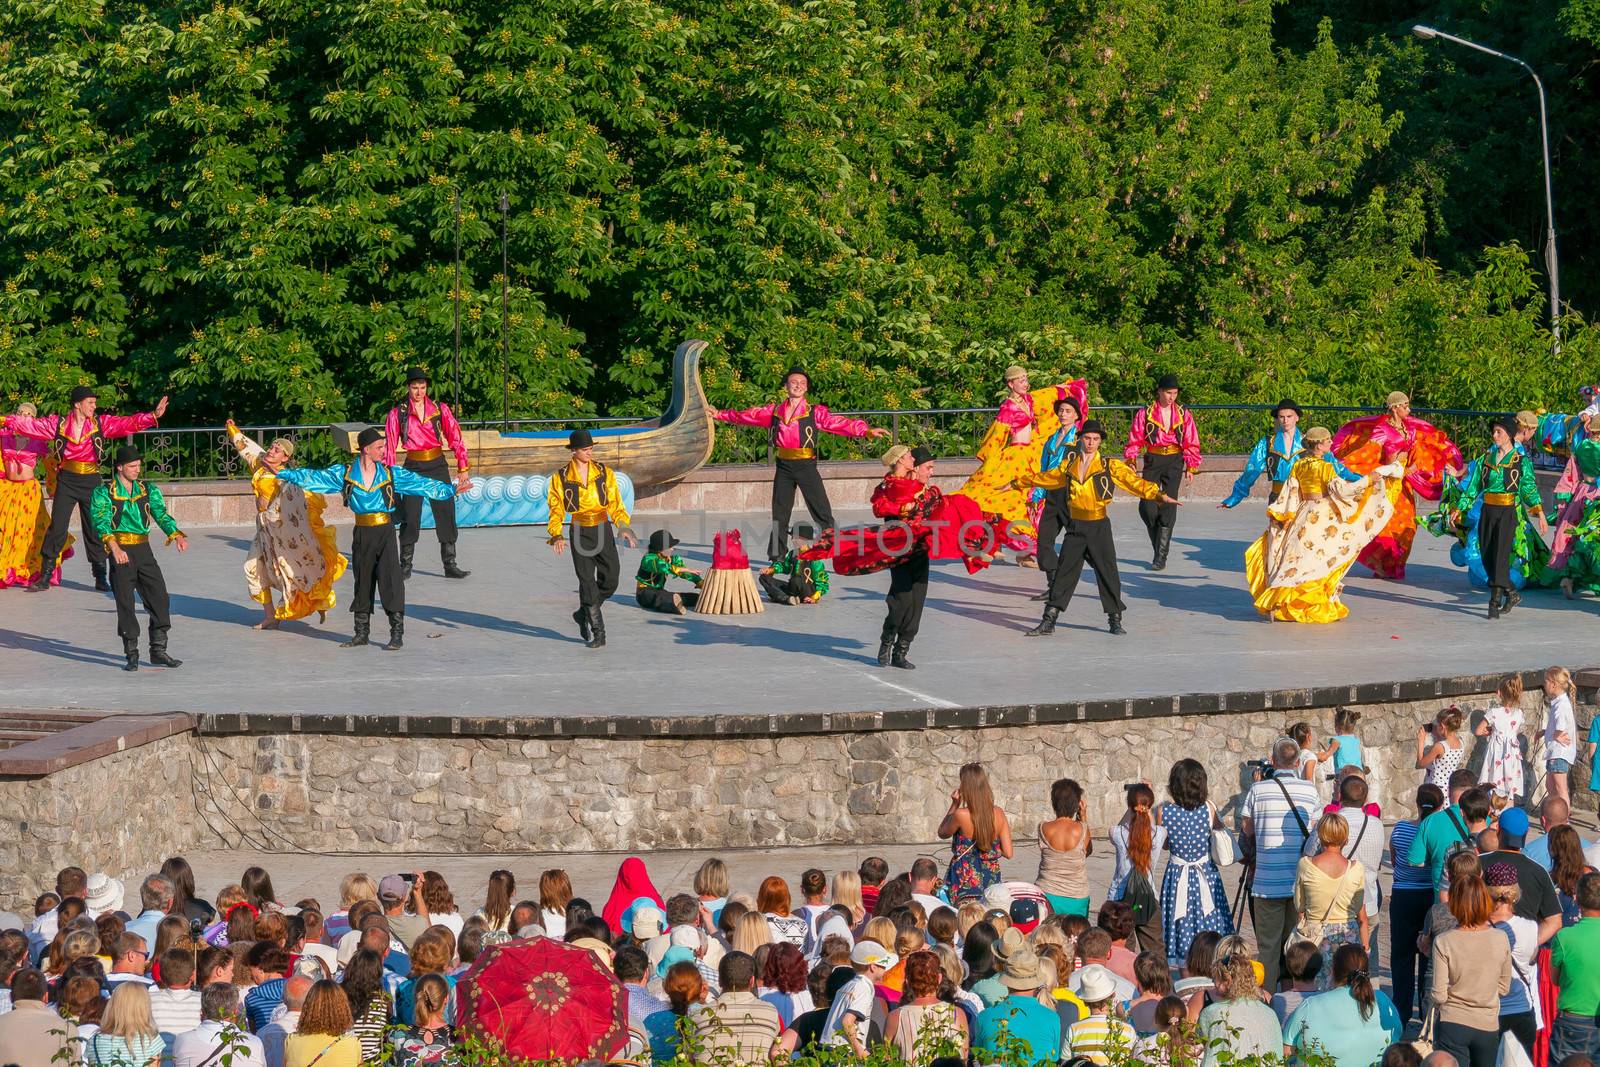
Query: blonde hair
{"type": "Point", "coordinates": [846, 891]}
{"type": "Point", "coordinates": [950, 963]}
{"type": "Point", "coordinates": [970, 914]}
{"type": "Point", "coordinates": [750, 932]}
{"type": "Point", "coordinates": [881, 929]}
{"type": "Point", "coordinates": [1561, 678]}
{"type": "Point", "coordinates": [127, 1013]}
{"type": "Point", "coordinates": [908, 941]}
{"type": "Point", "coordinates": [1049, 932]}
{"type": "Point", "coordinates": [27, 408]}
{"type": "Point", "coordinates": [1332, 830]}
{"type": "Point", "coordinates": [1510, 691]}
{"type": "Point", "coordinates": [1505, 894]}
{"type": "Point", "coordinates": [354, 887]}
{"type": "Point", "coordinates": [711, 880]}
{"type": "Point", "coordinates": [1234, 969]}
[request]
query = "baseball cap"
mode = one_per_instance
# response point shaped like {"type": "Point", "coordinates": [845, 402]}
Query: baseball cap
{"type": "Point", "coordinates": [870, 953]}
{"type": "Point", "coordinates": [393, 887]}
{"type": "Point", "coordinates": [1025, 914]}
{"type": "Point", "coordinates": [1513, 827]}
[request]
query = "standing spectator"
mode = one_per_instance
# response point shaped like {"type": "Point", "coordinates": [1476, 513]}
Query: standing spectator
{"type": "Point", "coordinates": [1365, 847]}
{"type": "Point", "coordinates": [1446, 830]}
{"type": "Point", "coordinates": [1329, 893]}
{"type": "Point", "coordinates": [1064, 848]}
{"type": "Point", "coordinates": [1412, 896]}
{"type": "Point", "coordinates": [1353, 1022]}
{"type": "Point", "coordinates": [1439, 748]}
{"type": "Point", "coordinates": [218, 1034]}
{"type": "Point", "coordinates": [979, 834]}
{"type": "Point", "coordinates": [1554, 812]}
{"type": "Point", "coordinates": [1192, 898]}
{"type": "Point", "coordinates": [31, 1033]}
{"type": "Point", "coordinates": [323, 1037]}
{"type": "Point", "coordinates": [1471, 972]}
{"type": "Point", "coordinates": [555, 893]}
{"type": "Point", "coordinates": [155, 900]}
{"type": "Point", "coordinates": [1573, 958]}
{"type": "Point", "coordinates": [1560, 731]}
{"type": "Point", "coordinates": [1516, 1007]}
{"type": "Point", "coordinates": [1538, 900]}
{"type": "Point", "coordinates": [175, 1004]}
{"type": "Point", "coordinates": [1238, 1020]}
{"type": "Point", "coordinates": [1276, 816]}
{"type": "Point", "coordinates": [923, 1026]}
{"type": "Point", "coordinates": [440, 903]}
{"type": "Point", "coordinates": [498, 900]}
{"type": "Point", "coordinates": [1567, 865]}
{"type": "Point", "coordinates": [1020, 1015]}
{"type": "Point", "coordinates": [772, 901]}
{"type": "Point", "coordinates": [127, 1036]}
{"type": "Point", "coordinates": [737, 1029]}
{"type": "Point", "coordinates": [1136, 840]}
{"type": "Point", "coordinates": [1101, 1036]}
{"type": "Point", "coordinates": [787, 981]}
{"type": "Point", "coordinates": [1502, 726]}
{"type": "Point", "coordinates": [427, 1040]}
{"type": "Point", "coordinates": [275, 1033]}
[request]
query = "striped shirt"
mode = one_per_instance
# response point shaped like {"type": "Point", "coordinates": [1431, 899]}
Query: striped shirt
{"type": "Point", "coordinates": [1277, 831]}
{"type": "Point", "coordinates": [737, 1029]}
{"type": "Point", "coordinates": [1406, 875]}
{"type": "Point", "coordinates": [1098, 1038]}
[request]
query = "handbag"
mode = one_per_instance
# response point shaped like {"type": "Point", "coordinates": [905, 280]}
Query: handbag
{"type": "Point", "coordinates": [1302, 932]}
{"type": "Point", "coordinates": [1423, 1042]}
{"type": "Point", "coordinates": [1224, 852]}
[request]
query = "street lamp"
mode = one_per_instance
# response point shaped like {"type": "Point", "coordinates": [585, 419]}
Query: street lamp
{"type": "Point", "coordinates": [1552, 269]}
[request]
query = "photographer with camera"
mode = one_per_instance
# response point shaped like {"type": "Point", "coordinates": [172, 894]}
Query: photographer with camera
{"type": "Point", "coordinates": [1276, 819]}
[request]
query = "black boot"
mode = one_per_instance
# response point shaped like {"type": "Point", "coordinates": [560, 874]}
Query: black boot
{"type": "Point", "coordinates": [581, 617]}
{"type": "Point", "coordinates": [407, 554]}
{"type": "Point", "coordinates": [1115, 624]}
{"type": "Point", "coordinates": [41, 584]}
{"type": "Point", "coordinates": [397, 631]}
{"type": "Point", "coordinates": [363, 630]}
{"type": "Point", "coordinates": [158, 651]}
{"type": "Point", "coordinates": [130, 649]}
{"type": "Point", "coordinates": [1047, 625]}
{"type": "Point", "coordinates": [1163, 546]}
{"type": "Point", "coordinates": [1494, 603]}
{"type": "Point", "coordinates": [1509, 598]}
{"type": "Point", "coordinates": [901, 647]}
{"type": "Point", "coordinates": [597, 625]}
{"type": "Point", "coordinates": [447, 555]}
{"type": "Point", "coordinates": [101, 582]}
{"type": "Point", "coordinates": [885, 651]}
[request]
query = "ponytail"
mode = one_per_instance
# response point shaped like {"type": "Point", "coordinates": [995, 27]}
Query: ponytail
{"type": "Point", "coordinates": [1511, 691]}
{"type": "Point", "coordinates": [1141, 829]}
{"type": "Point", "coordinates": [1350, 970]}
{"type": "Point", "coordinates": [1345, 719]}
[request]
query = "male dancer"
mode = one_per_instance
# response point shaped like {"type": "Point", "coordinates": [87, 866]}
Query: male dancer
{"type": "Point", "coordinates": [82, 435]}
{"type": "Point", "coordinates": [792, 580]}
{"type": "Point", "coordinates": [586, 490]}
{"type": "Point", "coordinates": [792, 425]}
{"type": "Point", "coordinates": [659, 564]}
{"type": "Point", "coordinates": [1503, 478]}
{"type": "Point", "coordinates": [1052, 503]}
{"type": "Point", "coordinates": [422, 429]}
{"type": "Point", "coordinates": [1166, 432]}
{"type": "Point", "coordinates": [908, 577]}
{"type": "Point", "coordinates": [121, 512]}
{"type": "Point", "coordinates": [1273, 455]}
{"type": "Point", "coordinates": [369, 487]}
{"type": "Point", "coordinates": [1088, 479]}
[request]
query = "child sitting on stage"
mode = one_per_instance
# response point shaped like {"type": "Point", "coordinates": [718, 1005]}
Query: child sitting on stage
{"type": "Point", "coordinates": [655, 568]}
{"type": "Point", "coordinates": [790, 580]}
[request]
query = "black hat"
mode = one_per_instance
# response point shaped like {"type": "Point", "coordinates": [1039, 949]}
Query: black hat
{"type": "Point", "coordinates": [1091, 426]}
{"type": "Point", "coordinates": [792, 371]}
{"type": "Point", "coordinates": [1287, 405]}
{"type": "Point", "coordinates": [1508, 424]}
{"type": "Point", "coordinates": [1068, 400]}
{"type": "Point", "coordinates": [371, 435]}
{"type": "Point", "coordinates": [661, 540]}
{"type": "Point", "coordinates": [83, 392]}
{"type": "Point", "coordinates": [127, 454]}
{"type": "Point", "coordinates": [805, 531]}
{"type": "Point", "coordinates": [416, 374]}
{"type": "Point", "coordinates": [920, 455]}
{"type": "Point", "coordinates": [580, 439]}
{"type": "Point", "coordinates": [1167, 381]}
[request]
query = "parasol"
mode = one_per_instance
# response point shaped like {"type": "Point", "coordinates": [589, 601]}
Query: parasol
{"type": "Point", "coordinates": [540, 999]}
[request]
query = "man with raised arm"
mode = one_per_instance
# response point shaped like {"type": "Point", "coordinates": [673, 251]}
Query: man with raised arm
{"type": "Point", "coordinates": [422, 429]}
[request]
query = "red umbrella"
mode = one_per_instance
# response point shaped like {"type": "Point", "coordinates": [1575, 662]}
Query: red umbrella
{"type": "Point", "coordinates": [540, 999]}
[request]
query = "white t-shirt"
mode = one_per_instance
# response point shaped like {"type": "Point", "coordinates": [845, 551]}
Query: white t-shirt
{"type": "Point", "coordinates": [1561, 720]}
{"type": "Point", "coordinates": [855, 998]}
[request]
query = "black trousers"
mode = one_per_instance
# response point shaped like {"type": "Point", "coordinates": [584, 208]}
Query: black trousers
{"type": "Point", "coordinates": [1087, 539]}
{"type": "Point", "coordinates": [1052, 522]}
{"type": "Point", "coordinates": [141, 574]}
{"type": "Point", "coordinates": [1497, 529]}
{"type": "Point", "coordinates": [594, 558]}
{"type": "Point", "coordinates": [908, 590]}
{"type": "Point", "coordinates": [792, 474]}
{"type": "Point", "coordinates": [780, 587]}
{"type": "Point", "coordinates": [1167, 472]}
{"type": "Point", "coordinates": [661, 600]}
{"type": "Point", "coordinates": [1471, 1048]}
{"type": "Point", "coordinates": [444, 511]}
{"type": "Point", "coordinates": [375, 562]}
{"type": "Point", "coordinates": [1408, 908]}
{"type": "Point", "coordinates": [73, 491]}
{"type": "Point", "coordinates": [1521, 1027]}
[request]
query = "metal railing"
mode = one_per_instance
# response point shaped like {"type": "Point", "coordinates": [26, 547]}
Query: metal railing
{"type": "Point", "coordinates": [203, 452]}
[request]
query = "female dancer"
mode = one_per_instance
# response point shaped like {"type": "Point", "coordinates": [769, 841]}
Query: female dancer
{"type": "Point", "coordinates": [294, 554]}
{"type": "Point", "coordinates": [1575, 552]}
{"type": "Point", "coordinates": [1421, 451]}
{"type": "Point", "coordinates": [23, 518]}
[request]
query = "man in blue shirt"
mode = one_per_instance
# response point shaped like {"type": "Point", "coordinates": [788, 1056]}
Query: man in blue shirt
{"type": "Point", "coordinates": [1273, 455]}
{"type": "Point", "coordinates": [155, 897]}
{"type": "Point", "coordinates": [1019, 1021]}
{"type": "Point", "coordinates": [1556, 812]}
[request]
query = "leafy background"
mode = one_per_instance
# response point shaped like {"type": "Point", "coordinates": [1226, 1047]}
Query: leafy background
{"type": "Point", "coordinates": [251, 205]}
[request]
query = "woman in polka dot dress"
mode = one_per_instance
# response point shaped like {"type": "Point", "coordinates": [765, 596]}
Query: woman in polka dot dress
{"type": "Point", "coordinates": [1192, 896]}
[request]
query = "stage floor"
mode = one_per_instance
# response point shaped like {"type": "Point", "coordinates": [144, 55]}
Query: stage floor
{"type": "Point", "coordinates": [501, 643]}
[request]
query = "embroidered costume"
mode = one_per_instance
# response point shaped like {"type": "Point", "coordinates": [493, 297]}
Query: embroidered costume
{"type": "Point", "coordinates": [122, 512]}
{"type": "Point", "coordinates": [295, 558]}
{"type": "Point", "coordinates": [658, 565]}
{"type": "Point", "coordinates": [794, 580]}
{"type": "Point", "coordinates": [422, 431]}
{"type": "Point", "coordinates": [923, 519]}
{"type": "Point", "coordinates": [1422, 451]}
{"type": "Point", "coordinates": [588, 495]}
{"type": "Point", "coordinates": [1502, 488]}
{"type": "Point", "coordinates": [1460, 516]}
{"type": "Point", "coordinates": [1575, 551]}
{"type": "Point", "coordinates": [24, 520]}
{"type": "Point", "coordinates": [1274, 456]}
{"type": "Point", "coordinates": [1171, 444]}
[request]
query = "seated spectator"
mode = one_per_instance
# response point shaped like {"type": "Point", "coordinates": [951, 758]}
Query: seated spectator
{"type": "Point", "coordinates": [873, 872]}
{"type": "Point", "coordinates": [312, 930]}
{"type": "Point", "coordinates": [1174, 1041]}
{"type": "Point", "coordinates": [175, 1003]}
{"type": "Point", "coordinates": [851, 1011]}
{"type": "Point", "coordinates": [79, 1000]}
{"type": "Point", "coordinates": [1195, 986]}
{"type": "Point", "coordinates": [430, 954]}
{"type": "Point", "coordinates": [1094, 949]}
{"type": "Point", "coordinates": [1100, 1038]}
{"type": "Point", "coordinates": [1237, 1023]}
{"type": "Point", "coordinates": [128, 1036]}
{"type": "Point", "coordinates": [805, 1032]}
{"type": "Point", "coordinates": [1303, 963]}
{"type": "Point", "coordinates": [773, 903]}
{"type": "Point", "coordinates": [785, 978]}
{"type": "Point", "coordinates": [427, 1040]}
{"type": "Point", "coordinates": [923, 1027]}
{"type": "Point", "coordinates": [269, 966]}
{"type": "Point", "coordinates": [31, 1033]}
{"type": "Point", "coordinates": [1116, 919]}
{"type": "Point", "coordinates": [130, 961]}
{"type": "Point", "coordinates": [218, 1034]}
{"type": "Point", "coordinates": [324, 1036]}
{"type": "Point", "coordinates": [276, 1033]}
{"type": "Point", "coordinates": [363, 984]}
{"type": "Point", "coordinates": [155, 900]}
{"type": "Point", "coordinates": [1154, 979]}
{"type": "Point", "coordinates": [685, 992]}
{"type": "Point", "coordinates": [1353, 1022]}
{"type": "Point", "coordinates": [630, 966]}
{"type": "Point", "coordinates": [1020, 1016]}
{"type": "Point", "coordinates": [353, 889]}
{"type": "Point", "coordinates": [737, 1028]}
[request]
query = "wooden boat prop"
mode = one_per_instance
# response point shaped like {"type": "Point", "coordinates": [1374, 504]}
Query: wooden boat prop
{"type": "Point", "coordinates": [655, 452]}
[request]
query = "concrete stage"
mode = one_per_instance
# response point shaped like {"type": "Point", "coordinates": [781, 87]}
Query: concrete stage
{"type": "Point", "coordinates": [501, 643]}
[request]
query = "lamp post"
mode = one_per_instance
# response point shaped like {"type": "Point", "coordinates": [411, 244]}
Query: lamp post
{"type": "Point", "coordinates": [1552, 268]}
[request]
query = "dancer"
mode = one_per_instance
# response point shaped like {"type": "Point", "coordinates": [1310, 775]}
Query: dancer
{"type": "Point", "coordinates": [1322, 517]}
{"type": "Point", "coordinates": [24, 521]}
{"type": "Point", "coordinates": [1575, 552]}
{"type": "Point", "coordinates": [655, 568]}
{"type": "Point", "coordinates": [1422, 451]}
{"type": "Point", "coordinates": [1171, 442]}
{"type": "Point", "coordinates": [421, 429]}
{"type": "Point", "coordinates": [586, 490]}
{"type": "Point", "coordinates": [371, 488]}
{"type": "Point", "coordinates": [1013, 447]}
{"type": "Point", "coordinates": [791, 580]}
{"type": "Point", "coordinates": [1047, 508]}
{"type": "Point", "coordinates": [1273, 455]}
{"type": "Point", "coordinates": [1460, 515]}
{"type": "Point", "coordinates": [121, 512]}
{"type": "Point", "coordinates": [295, 554]}
{"type": "Point", "coordinates": [82, 436]}
{"type": "Point", "coordinates": [792, 425]}
{"type": "Point", "coordinates": [1088, 477]}
{"type": "Point", "coordinates": [1502, 483]}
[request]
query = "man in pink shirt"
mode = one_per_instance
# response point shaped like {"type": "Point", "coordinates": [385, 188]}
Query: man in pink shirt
{"type": "Point", "coordinates": [792, 425]}
{"type": "Point", "coordinates": [82, 436]}
{"type": "Point", "coordinates": [422, 429]}
{"type": "Point", "coordinates": [1166, 432]}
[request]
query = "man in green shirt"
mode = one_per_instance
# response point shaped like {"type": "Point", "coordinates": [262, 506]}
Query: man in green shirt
{"type": "Point", "coordinates": [792, 580]}
{"type": "Point", "coordinates": [1575, 955]}
{"type": "Point", "coordinates": [121, 513]}
{"type": "Point", "coordinates": [1444, 831]}
{"type": "Point", "coordinates": [655, 568]}
{"type": "Point", "coordinates": [1503, 479]}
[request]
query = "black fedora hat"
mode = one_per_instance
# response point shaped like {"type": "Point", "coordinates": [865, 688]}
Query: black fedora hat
{"type": "Point", "coordinates": [661, 541]}
{"type": "Point", "coordinates": [416, 374]}
{"type": "Point", "coordinates": [580, 439]}
{"type": "Point", "coordinates": [1287, 405]}
{"type": "Point", "coordinates": [1092, 426]}
{"type": "Point", "coordinates": [127, 454]}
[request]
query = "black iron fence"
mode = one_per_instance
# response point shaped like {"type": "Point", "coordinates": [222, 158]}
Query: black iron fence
{"type": "Point", "coordinates": [203, 452]}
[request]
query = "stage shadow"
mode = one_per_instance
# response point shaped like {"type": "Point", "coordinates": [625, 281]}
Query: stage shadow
{"type": "Point", "coordinates": [457, 619]}
{"type": "Point", "coordinates": [243, 544]}
{"type": "Point", "coordinates": [210, 609]}
{"type": "Point", "coordinates": [967, 610]}
{"type": "Point", "coordinates": [699, 630]}
{"type": "Point", "coordinates": [55, 648]}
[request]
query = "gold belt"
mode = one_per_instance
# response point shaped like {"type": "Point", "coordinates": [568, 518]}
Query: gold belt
{"type": "Point", "coordinates": [373, 518]}
{"type": "Point", "coordinates": [424, 455]}
{"type": "Point", "coordinates": [797, 453]}
{"type": "Point", "coordinates": [1500, 500]}
{"type": "Point", "coordinates": [1164, 450]}
{"type": "Point", "coordinates": [76, 466]}
{"type": "Point", "coordinates": [1277, 487]}
{"type": "Point", "coordinates": [130, 538]}
{"type": "Point", "coordinates": [598, 518]}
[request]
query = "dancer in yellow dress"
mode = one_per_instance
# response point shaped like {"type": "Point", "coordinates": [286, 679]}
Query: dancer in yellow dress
{"type": "Point", "coordinates": [1011, 450]}
{"type": "Point", "coordinates": [1324, 515]}
{"type": "Point", "coordinates": [295, 560]}
{"type": "Point", "coordinates": [24, 520]}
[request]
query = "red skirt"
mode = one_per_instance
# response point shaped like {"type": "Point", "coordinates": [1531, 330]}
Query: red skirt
{"type": "Point", "coordinates": [956, 529]}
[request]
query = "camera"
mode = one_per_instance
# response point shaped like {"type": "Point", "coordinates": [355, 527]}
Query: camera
{"type": "Point", "coordinates": [1260, 769]}
{"type": "Point", "coordinates": [195, 928]}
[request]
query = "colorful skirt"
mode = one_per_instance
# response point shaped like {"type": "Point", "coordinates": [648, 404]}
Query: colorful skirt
{"type": "Point", "coordinates": [295, 561]}
{"type": "Point", "coordinates": [1577, 547]}
{"type": "Point", "coordinates": [999, 464]}
{"type": "Point", "coordinates": [1386, 554]}
{"type": "Point", "coordinates": [1458, 517]}
{"type": "Point", "coordinates": [1296, 571]}
{"type": "Point", "coordinates": [24, 522]}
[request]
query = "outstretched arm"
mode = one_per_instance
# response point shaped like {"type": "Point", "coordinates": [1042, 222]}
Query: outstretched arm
{"type": "Point", "coordinates": [828, 422]}
{"type": "Point", "coordinates": [248, 448]}
{"type": "Point", "coordinates": [1255, 465]}
{"type": "Point", "coordinates": [127, 425]}
{"type": "Point", "coordinates": [1123, 475]}
{"type": "Point", "coordinates": [411, 483]}
{"type": "Point", "coordinates": [38, 427]}
{"type": "Point", "coordinates": [326, 480]}
{"type": "Point", "coordinates": [761, 416]}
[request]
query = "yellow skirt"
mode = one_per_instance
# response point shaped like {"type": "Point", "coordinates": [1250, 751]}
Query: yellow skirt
{"type": "Point", "coordinates": [24, 522]}
{"type": "Point", "coordinates": [1315, 601]}
{"type": "Point", "coordinates": [999, 464]}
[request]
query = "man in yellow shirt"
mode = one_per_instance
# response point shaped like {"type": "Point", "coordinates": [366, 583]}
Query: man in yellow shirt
{"type": "Point", "coordinates": [585, 491]}
{"type": "Point", "coordinates": [1088, 478]}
